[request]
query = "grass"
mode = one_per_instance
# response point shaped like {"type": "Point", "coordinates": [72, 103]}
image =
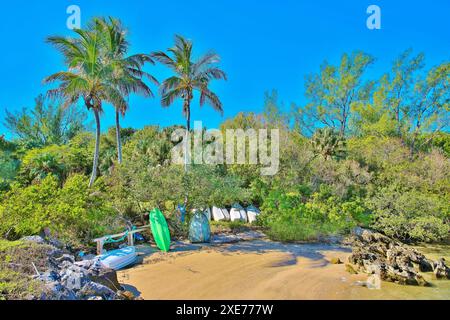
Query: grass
{"type": "Point", "coordinates": [16, 268]}
{"type": "Point", "coordinates": [230, 226]}
{"type": "Point", "coordinates": [285, 231]}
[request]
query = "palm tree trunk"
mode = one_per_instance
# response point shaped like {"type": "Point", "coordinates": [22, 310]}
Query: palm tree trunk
{"type": "Point", "coordinates": [97, 148]}
{"type": "Point", "coordinates": [188, 141]}
{"type": "Point", "coordinates": [118, 138]}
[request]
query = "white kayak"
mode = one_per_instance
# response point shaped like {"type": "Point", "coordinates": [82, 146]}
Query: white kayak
{"type": "Point", "coordinates": [252, 214]}
{"type": "Point", "coordinates": [118, 259]}
{"type": "Point", "coordinates": [226, 214]}
{"type": "Point", "coordinates": [218, 214]}
{"type": "Point", "coordinates": [238, 213]}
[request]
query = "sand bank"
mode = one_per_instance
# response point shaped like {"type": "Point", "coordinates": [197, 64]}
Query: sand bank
{"type": "Point", "coordinates": [260, 270]}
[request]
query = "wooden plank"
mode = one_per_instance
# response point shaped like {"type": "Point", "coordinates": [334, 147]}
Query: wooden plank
{"type": "Point", "coordinates": [122, 234]}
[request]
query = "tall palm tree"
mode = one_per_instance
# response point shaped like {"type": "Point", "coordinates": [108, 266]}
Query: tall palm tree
{"type": "Point", "coordinates": [88, 77]}
{"type": "Point", "coordinates": [189, 77]}
{"type": "Point", "coordinates": [126, 71]}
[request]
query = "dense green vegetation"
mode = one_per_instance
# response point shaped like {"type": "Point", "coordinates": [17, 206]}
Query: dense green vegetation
{"type": "Point", "coordinates": [361, 152]}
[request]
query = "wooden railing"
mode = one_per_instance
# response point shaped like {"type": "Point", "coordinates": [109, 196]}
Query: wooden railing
{"type": "Point", "coordinates": [101, 241]}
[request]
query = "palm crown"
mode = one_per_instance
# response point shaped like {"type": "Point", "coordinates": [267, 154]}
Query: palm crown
{"type": "Point", "coordinates": [189, 76]}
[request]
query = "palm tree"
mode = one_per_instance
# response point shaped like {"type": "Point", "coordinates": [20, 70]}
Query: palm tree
{"type": "Point", "coordinates": [88, 77]}
{"type": "Point", "coordinates": [189, 77]}
{"type": "Point", "coordinates": [127, 71]}
{"type": "Point", "coordinates": [328, 143]}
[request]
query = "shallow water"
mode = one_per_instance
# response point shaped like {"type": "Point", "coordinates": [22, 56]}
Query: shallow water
{"type": "Point", "coordinates": [266, 270]}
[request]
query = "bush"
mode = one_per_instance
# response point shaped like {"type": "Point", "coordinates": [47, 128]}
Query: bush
{"type": "Point", "coordinates": [73, 211]}
{"type": "Point", "coordinates": [59, 161]}
{"type": "Point", "coordinates": [300, 215]}
{"type": "Point", "coordinates": [411, 215]}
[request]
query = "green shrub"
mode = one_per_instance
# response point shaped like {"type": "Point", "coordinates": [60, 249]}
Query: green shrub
{"type": "Point", "coordinates": [60, 161]}
{"type": "Point", "coordinates": [411, 215]}
{"type": "Point", "coordinates": [73, 211]}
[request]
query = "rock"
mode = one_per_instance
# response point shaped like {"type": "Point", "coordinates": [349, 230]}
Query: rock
{"type": "Point", "coordinates": [104, 276]}
{"type": "Point", "coordinates": [390, 260]}
{"type": "Point", "coordinates": [66, 257]}
{"type": "Point", "coordinates": [35, 239]}
{"type": "Point", "coordinates": [441, 271]}
{"type": "Point", "coordinates": [92, 289]}
{"type": "Point", "coordinates": [127, 295]}
{"type": "Point", "coordinates": [373, 282]}
{"type": "Point", "coordinates": [335, 261]}
{"type": "Point", "coordinates": [351, 269]}
{"type": "Point", "coordinates": [360, 283]}
{"type": "Point", "coordinates": [74, 278]}
{"type": "Point", "coordinates": [55, 291]}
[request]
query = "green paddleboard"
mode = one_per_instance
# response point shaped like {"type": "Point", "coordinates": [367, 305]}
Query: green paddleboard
{"type": "Point", "coordinates": [160, 230]}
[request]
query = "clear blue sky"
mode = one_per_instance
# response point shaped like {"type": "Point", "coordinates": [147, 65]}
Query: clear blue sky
{"type": "Point", "coordinates": [263, 44]}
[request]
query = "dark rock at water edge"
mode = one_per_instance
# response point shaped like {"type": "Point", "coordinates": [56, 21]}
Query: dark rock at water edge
{"type": "Point", "coordinates": [374, 253]}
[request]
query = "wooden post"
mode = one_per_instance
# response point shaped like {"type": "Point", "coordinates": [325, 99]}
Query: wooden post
{"type": "Point", "coordinates": [100, 247]}
{"type": "Point", "coordinates": [131, 239]}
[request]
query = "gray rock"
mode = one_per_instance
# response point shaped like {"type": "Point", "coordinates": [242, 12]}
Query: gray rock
{"type": "Point", "coordinates": [441, 271]}
{"type": "Point", "coordinates": [92, 289]}
{"type": "Point", "coordinates": [74, 279]}
{"type": "Point", "coordinates": [376, 254]}
{"type": "Point", "coordinates": [35, 239]}
{"type": "Point", "coordinates": [55, 291]}
{"type": "Point", "coordinates": [104, 276]}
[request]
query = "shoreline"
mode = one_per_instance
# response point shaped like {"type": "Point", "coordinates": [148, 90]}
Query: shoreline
{"type": "Point", "coordinates": [260, 269]}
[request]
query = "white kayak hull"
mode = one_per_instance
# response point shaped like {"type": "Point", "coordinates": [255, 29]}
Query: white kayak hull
{"type": "Point", "coordinates": [238, 213]}
{"type": "Point", "coordinates": [252, 214]}
{"type": "Point", "coordinates": [219, 214]}
{"type": "Point", "coordinates": [119, 259]}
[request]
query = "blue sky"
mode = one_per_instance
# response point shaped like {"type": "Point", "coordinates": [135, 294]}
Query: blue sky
{"type": "Point", "coordinates": [264, 44]}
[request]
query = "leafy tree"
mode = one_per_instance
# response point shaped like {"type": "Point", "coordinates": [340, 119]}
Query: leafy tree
{"type": "Point", "coordinates": [334, 92]}
{"type": "Point", "coordinates": [189, 76]}
{"type": "Point", "coordinates": [430, 105]}
{"type": "Point", "coordinates": [45, 124]}
{"type": "Point", "coordinates": [9, 163]}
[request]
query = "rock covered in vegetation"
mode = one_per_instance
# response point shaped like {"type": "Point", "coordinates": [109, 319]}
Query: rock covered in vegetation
{"type": "Point", "coordinates": [374, 253]}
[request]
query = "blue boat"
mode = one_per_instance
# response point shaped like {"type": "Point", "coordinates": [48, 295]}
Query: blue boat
{"type": "Point", "coordinates": [199, 230]}
{"type": "Point", "coordinates": [118, 259]}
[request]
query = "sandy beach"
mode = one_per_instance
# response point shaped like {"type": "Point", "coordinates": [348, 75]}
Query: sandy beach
{"type": "Point", "coordinates": [260, 270]}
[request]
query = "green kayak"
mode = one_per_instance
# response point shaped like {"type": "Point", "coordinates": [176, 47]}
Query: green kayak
{"type": "Point", "coordinates": [160, 230]}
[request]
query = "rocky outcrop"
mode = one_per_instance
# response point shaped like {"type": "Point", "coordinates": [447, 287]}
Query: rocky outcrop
{"type": "Point", "coordinates": [441, 271]}
{"type": "Point", "coordinates": [376, 254]}
{"type": "Point", "coordinates": [68, 279]}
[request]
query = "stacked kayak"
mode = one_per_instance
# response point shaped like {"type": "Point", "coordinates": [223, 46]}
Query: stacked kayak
{"type": "Point", "coordinates": [238, 213]}
{"type": "Point", "coordinates": [206, 212]}
{"type": "Point", "coordinates": [252, 213]}
{"type": "Point", "coordinates": [160, 230]}
{"type": "Point", "coordinates": [219, 214]}
{"type": "Point", "coordinates": [199, 230]}
{"type": "Point", "coordinates": [118, 259]}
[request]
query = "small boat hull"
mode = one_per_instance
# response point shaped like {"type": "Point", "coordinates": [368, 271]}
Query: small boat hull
{"type": "Point", "coordinates": [118, 259]}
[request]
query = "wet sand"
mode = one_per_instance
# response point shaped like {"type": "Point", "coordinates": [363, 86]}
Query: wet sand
{"type": "Point", "coordinates": [260, 270]}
